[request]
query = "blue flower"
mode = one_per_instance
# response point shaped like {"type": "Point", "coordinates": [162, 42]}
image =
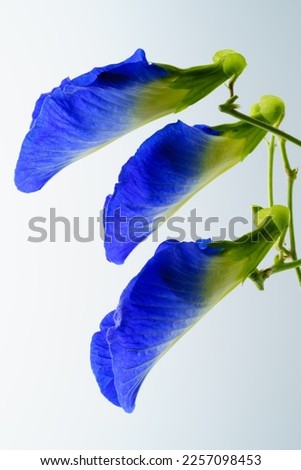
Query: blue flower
{"type": "Point", "coordinates": [92, 110]}
{"type": "Point", "coordinates": [169, 168]}
{"type": "Point", "coordinates": [176, 287]}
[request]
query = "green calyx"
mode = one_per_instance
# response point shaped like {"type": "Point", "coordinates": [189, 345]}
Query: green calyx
{"type": "Point", "coordinates": [270, 224]}
{"type": "Point", "coordinates": [270, 109]}
{"type": "Point", "coordinates": [232, 62]}
{"type": "Point", "coordinates": [249, 250]}
{"type": "Point", "coordinates": [279, 214]}
{"type": "Point", "coordinates": [187, 86]}
{"type": "Point", "coordinates": [238, 259]}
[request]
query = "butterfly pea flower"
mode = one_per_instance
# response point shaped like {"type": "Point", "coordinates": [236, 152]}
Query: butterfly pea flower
{"type": "Point", "coordinates": [169, 168]}
{"type": "Point", "coordinates": [86, 113]}
{"type": "Point", "coordinates": [176, 287]}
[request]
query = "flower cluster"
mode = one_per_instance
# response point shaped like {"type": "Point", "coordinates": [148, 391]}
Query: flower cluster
{"type": "Point", "coordinates": [183, 280]}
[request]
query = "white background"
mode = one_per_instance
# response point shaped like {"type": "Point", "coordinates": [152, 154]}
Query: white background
{"type": "Point", "coordinates": [234, 380]}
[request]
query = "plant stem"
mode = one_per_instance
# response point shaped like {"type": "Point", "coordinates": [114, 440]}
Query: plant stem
{"type": "Point", "coordinates": [229, 108]}
{"type": "Point", "coordinates": [280, 243]}
{"type": "Point", "coordinates": [292, 175]}
{"type": "Point", "coordinates": [260, 276]}
{"type": "Point", "coordinates": [285, 266]}
{"type": "Point", "coordinates": [271, 145]}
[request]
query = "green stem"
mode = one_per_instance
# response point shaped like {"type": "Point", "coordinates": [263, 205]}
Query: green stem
{"type": "Point", "coordinates": [291, 174]}
{"type": "Point", "coordinates": [260, 276]}
{"type": "Point", "coordinates": [280, 244]}
{"type": "Point", "coordinates": [285, 266]}
{"type": "Point", "coordinates": [271, 171]}
{"type": "Point", "coordinates": [231, 86]}
{"type": "Point", "coordinates": [229, 108]}
{"type": "Point", "coordinates": [284, 252]}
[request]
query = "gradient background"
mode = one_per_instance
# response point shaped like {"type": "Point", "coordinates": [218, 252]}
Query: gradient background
{"type": "Point", "coordinates": [234, 380]}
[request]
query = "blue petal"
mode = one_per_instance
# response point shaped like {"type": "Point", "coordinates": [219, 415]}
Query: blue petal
{"type": "Point", "coordinates": [158, 306]}
{"type": "Point", "coordinates": [166, 171]}
{"type": "Point", "coordinates": [101, 360]}
{"type": "Point", "coordinates": [82, 115]}
{"type": "Point", "coordinates": [176, 287]}
{"type": "Point", "coordinates": [92, 110]}
{"type": "Point", "coordinates": [170, 167]}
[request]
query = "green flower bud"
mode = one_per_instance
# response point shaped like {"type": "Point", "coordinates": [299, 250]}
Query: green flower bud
{"type": "Point", "coordinates": [269, 107]}
{"type": "Point", "coordinates": [232, 62]}
{"type": "Point", "coordinates": [279, 214]}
